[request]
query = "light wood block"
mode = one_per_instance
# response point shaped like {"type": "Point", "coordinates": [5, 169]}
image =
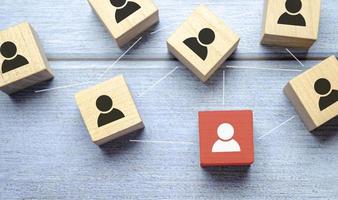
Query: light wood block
{"type": "Point", "coordinates": [314, 93]}
{"type": "Point", "coordinates": [126, 19]}
{"type": "Point", "coordinates": [291, 23]}
{"type": "Point", "coordinates": [108, 110]}
{"type": "Point", "coordinates": [22, 60]}
{"type": "Point", "coordinates": [219, 43]}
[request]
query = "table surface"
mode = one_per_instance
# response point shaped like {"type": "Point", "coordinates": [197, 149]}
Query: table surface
{"type": "Point", "coordinates": [46, 152]}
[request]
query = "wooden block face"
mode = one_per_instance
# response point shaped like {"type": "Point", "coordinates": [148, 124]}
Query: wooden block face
{"type": "Point", "coordinates": [202, 43]}
{"type": "Point", "coordinates": [291, 23]}
{"type": "Point", "coordinates": [314, 93]}
{"type": "Point", "coordinates": [126, 19]}
{"type": "Point", "coordinates": [226, 138]}
{"type": "Point", "coordinates": [22, 60]}
{"type": "Point", "coordinates": [108, 110]}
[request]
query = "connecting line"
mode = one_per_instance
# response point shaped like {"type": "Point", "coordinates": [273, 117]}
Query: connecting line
{"type": "Point", "coordinates": [277, 127]}
{"type": "Point", "coordinates": [157, 82]}
{"type": "Point", "coordinates": [161, 142]}
{"type": "Point", "coordinates": [262, 68]}
{"type": "Point", "coordinates": [119, 58]}
{"type": "Point", "coordinates": [294, 57]}
{"type": "Point", "coordinates": [223, 88]}
{"type": "Point", "coordinates": [163, 28]}
{"type": "Point", "coordinates": [244, 14]}
{"type": "Point", "coordinates": [62, 87]}
{"type": "Point", "coordinates": [94, 79]}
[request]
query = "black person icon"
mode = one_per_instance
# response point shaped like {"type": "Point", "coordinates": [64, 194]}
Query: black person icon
{"type": "Point", "coordinates": [108, 114]}
{"type": "Point", "coordinates": [328, 95]}
{"type": "Point", "coordinates": [291, 17]}
{"type": "Point", "coordinates": [12, 59]}
{"type": "Point", "coordinates": [124, 9]}
{"type": "Point", "coordinates": [199, 45]}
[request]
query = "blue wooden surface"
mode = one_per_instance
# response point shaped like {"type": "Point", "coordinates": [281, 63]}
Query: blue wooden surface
{"type": "Point", "coordinates": [46, 153]}
{"type": "Point", "coordinates": [70, 29]}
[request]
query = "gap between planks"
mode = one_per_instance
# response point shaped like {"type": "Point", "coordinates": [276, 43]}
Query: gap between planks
{"type": "Point", "coordinates": [286, 57]}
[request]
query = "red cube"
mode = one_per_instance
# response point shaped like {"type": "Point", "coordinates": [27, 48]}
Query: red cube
{"type": "Point", "coordinates": [226, 138]}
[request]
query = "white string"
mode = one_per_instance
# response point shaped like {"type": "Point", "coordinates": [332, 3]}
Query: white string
{"type": "Point", "coordinates": [301, 64]}
{"type": "Point", "coordinates": [277, 127]}
{"type": "Point", "coordinates": [163, 28]}
{"type": "Point", "coordinates": [262, 68]}
{"type": "Point", "coordinates": [62, 87]}
{"type": "Point", "coordinates": [223, 88]}
{"type": "Point", "coordinates": [158, 81]}
{"type": "Point", "coordinates": [244, 14]}
{"type": "Point", "coordinates": [100, 76]}
{"type": "Point", "coordinates": [119, 58]}
{"type": "Point", "coordinates": [162, 142]}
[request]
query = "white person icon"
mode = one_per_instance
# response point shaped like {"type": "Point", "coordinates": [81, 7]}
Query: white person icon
{"type": "Point", "coordinates": [226, 143]}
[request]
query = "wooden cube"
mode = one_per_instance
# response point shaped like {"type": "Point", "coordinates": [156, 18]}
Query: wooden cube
{"type": "Point", "coordinates": [291, 23]}
{"type": "Point", "coordinates": [202, 43]}
{"type": "Point", "coordinates": [108, 110]}
{"type": "Point", "coordinates": [126, 19]}
{"type": "Point", "coordinates": [22, 60]}
{"type": "Point", "coordinates": [314, 93]}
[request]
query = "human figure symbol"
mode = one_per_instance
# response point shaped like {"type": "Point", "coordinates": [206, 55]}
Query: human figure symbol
{"type": "Point", "coordinates": [124, 9]}
{"type": "Point", "coordinates": [328, 96]}
{"type": "Point", "coordinates": [292, 16]}
{"type": "Point", "coordinates": [108, 114]}
{"type": "Point", "coordinates": [199, 45]}
{"type": "Point", "coordinates": [225, 142]}
{"type": "Point", "coordinates": [12, 59]}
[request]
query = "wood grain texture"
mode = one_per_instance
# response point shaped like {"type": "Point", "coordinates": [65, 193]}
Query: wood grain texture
{"type": "Point", "coordinates": [95, 119]}
{"type": "Point", "coordinates": [222, 44]}
{"type": "Point", "coordinates": [278, 31]}
{"type": "Point", "coordinates": [72, 30]}
{"type": "Point", "coordinates": [33, 65]}
{"type": "Point", "coordinates": [315, 109]}
{"type": "Point", "coordinates": [46, 152]}
{"type": "Point", "coordinates": [132, 26]}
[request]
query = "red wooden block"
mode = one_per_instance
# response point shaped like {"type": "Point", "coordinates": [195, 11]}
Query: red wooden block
{"type": "Point", "coordinates": [226, 138]}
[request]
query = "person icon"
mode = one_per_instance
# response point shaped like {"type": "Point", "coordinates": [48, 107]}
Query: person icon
{"type": "Point", "coordinates": [199, 45]}
{"type": "Point", "coordinates": [124, 9]}
{"type": "Point", "coordinates": [226, 143]}
{"type": "Point", "coordinates": [108, 114]}
{"type": "Point", "coordinates": [292, 16]}
{"type": "Point", "coordinates": [12, 59]}
{"type": "Point", "coordinates": [328, 96]}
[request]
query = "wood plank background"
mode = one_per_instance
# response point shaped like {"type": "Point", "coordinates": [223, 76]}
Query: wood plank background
{"type": "Point", "coordinates": [46, 152]}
